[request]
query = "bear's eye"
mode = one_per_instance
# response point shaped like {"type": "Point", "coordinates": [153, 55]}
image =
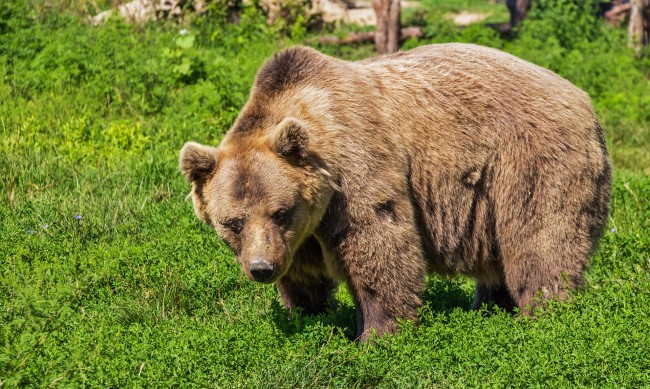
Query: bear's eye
{"type": "Point", "coordinates": [281, 216]}
{"type": "Point", "coordinates": [234, 225]}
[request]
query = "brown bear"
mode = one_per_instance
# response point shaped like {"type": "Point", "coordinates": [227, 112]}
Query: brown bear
{"type": "Point", "coordinates": [452, 158]}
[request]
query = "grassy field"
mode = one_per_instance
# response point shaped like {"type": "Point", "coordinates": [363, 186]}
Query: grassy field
{"type": "Point", "coordinates": [107, 279]}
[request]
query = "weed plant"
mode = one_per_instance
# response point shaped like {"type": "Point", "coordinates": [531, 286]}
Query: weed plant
{"type": "Point", "coordinates": [107, 279]}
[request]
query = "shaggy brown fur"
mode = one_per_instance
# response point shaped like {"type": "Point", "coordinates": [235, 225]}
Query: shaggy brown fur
{"type": "Point", "coordinates": [452, 158]}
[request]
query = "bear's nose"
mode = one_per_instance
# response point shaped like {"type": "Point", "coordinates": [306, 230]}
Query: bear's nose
{"type": "Point", "coordinates": [261, 270]}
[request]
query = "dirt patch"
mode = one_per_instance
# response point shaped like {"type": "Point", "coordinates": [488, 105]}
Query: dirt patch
{"type": "Point", "coordinates": [465, 18]}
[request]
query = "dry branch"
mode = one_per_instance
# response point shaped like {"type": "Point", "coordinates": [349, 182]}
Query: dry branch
{"type": "Point", "coordinates": [618, 14]}
{"type": "Point", "coordinates": [142, 11]}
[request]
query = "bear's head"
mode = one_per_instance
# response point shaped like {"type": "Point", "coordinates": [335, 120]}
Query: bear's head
{"type": "Point", "coordinates": [263, 194]}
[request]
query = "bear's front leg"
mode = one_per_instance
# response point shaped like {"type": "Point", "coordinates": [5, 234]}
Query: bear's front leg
{"type": "Point", "coordinates": [311, 294]}
{"type": "Point", "coordinates": [306, 284]}
{"type": "Point", "coordinates": [385, 274]}
{"type": "Point", "coordinates": [377, 310]}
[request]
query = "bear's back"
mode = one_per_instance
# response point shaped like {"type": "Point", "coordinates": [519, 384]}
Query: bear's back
{"type": "Point", "coordinates": [491, 86]}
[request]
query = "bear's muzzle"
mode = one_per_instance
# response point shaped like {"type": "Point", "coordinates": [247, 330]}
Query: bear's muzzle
{"type": "Point", "coordinates": [261, 270]}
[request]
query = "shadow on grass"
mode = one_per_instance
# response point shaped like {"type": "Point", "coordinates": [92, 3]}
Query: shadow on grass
{"type": "Point", "coordinates": [445, 295]}
{"type": "Point", "coordinates": [440, 295]}
{"type": "Point", "coordinates": [293, 322]}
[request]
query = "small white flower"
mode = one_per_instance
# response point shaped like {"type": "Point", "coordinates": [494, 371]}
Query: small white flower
{"type": "Point", "coordinates": [183, 32]}
{"type": "Point", "coordinates": [613, 230]}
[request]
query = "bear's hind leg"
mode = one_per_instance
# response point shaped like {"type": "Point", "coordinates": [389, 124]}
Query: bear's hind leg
{"type": "Point", "coordinates": [493, 295]}
{"type": "Point", "coordinates": [549, 211]}
{"type": "Point", "coordinates": [532, 278]}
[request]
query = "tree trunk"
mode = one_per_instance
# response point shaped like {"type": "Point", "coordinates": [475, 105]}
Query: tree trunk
{"type": "Point", "coordinates": [387, 35]}
{"type": "Point", "coordinates": [518, 10]}
{"type": "Point", "coordinates": [639, 27]}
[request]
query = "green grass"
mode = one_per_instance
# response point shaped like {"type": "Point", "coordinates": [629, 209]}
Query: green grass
{"type": "Point", "coordinates": [497, 13]}
{"type": "Point", "coordinates": [138, 293]}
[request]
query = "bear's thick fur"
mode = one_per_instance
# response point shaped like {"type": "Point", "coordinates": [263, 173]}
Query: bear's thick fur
{"type": "Point", "coordinates": [454, 158]}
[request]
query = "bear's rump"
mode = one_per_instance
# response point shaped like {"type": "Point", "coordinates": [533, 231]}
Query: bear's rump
{"type": "Point", "coordinates": [474, 213]}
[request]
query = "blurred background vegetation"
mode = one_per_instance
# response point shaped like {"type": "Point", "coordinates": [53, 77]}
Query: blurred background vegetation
{"type": "Point", "coordinates": [137, 70]}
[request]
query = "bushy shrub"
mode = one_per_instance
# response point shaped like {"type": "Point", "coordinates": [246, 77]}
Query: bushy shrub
{"type": "Point", "coordinates": [570, 22]}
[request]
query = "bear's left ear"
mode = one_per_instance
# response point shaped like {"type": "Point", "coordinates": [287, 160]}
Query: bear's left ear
{"type": "Point", "coordinates": [290, 140]}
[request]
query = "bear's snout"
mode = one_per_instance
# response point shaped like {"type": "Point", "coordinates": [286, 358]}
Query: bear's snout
{"type": "Point", "coordinates": [261, 270]}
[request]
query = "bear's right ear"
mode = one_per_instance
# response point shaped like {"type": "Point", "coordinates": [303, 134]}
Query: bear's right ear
{"type": "Point", "coordinates": [197, 161]}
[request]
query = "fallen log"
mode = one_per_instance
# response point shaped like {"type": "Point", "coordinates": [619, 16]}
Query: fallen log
{"type": "Point", "coordinates": [368, 37]}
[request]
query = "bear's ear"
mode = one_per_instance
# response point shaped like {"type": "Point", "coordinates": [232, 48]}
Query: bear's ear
{"type": "Point", "coordinates": [290, 140]}
{"type": "Point", "coordinates": [197, 161]}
